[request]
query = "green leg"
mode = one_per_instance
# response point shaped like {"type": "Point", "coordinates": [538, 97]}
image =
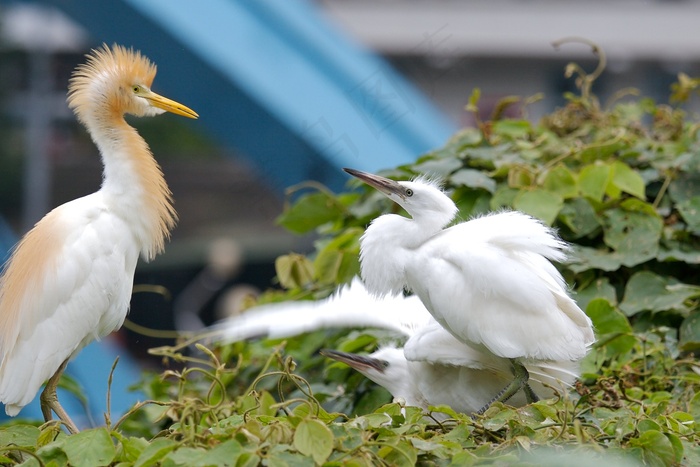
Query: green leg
{"type": "Point", "coordinates": [520, 381]}
{"type": "Point", "coordinates": [530, 395]}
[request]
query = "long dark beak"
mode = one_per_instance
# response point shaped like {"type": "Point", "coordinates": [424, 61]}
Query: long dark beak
{"type": "Point", "coordinates": [385, 185]}
{"type": "Point", "coordinates": [358, 362]}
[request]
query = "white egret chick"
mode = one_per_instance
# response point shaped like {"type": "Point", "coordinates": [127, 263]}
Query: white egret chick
{"type": "Point", "coordinates": [433, 368]}
{"type": "Point", "coordinates": [488, 281]}
{"type": "Point", "coordinates": [466, 388]}
{"type": "Point", "coordinates": [69, 280]}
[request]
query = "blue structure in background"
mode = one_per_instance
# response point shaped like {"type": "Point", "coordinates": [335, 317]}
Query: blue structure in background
{"type": "Point", "coordinates": [7, 240]}
{"type": "Point", "coordinates": [273, 80]}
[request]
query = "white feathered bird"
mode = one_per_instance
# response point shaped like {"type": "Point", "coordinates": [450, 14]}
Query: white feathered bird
{"type": "Point", "coordinates": [488, 281]}
{"type": "Point", "coordinates": [447, 372]}
{"type": "Point", "coordinates": [69, 280]}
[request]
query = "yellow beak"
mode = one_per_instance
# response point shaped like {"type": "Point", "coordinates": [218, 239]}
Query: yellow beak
{"type": "Point", "coordinates": [169, 105]}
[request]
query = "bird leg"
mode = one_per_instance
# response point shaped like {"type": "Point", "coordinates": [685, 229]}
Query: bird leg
{"type": "Point", "coordinates": [530, 395]}
{"type": "Point", "coordinates": [49, 401]}
{"type": "Point", "coordinates": [520, 381]}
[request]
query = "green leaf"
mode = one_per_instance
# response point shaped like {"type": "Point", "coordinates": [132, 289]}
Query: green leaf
{"type": "Point", "coordinates": [633, 235]}
{"type": "Point", "coordinates": [542, 204]}
{"type": "Point", "coordinates": [474, 179]}
{"type": "Point", "coordinates": [690, 211]}
{"type": "Point", "coordinates": [657, 449]}
{"type": "Point", "coordinates": [600, 151]}
{"type": "Point", "coordinates": [305, 410]}
{"type": "Point", "coordinates": [438, 167]}
{"type": "Point", "coordinates": [313, 438]}
{"type": "Point", "coordinates": [637, 205]}
{"type": "Point", "coordinates": [646, 425]}
{"type": "Point", "coordinates": [52, 455]}
{"type": "Point", "coordinates": [504, 196]}
{"type": "Point", "coordinates": [684, 187]}
{"type": "Point", "coordinates": [585, 258]}
{"type": "Point", "coordinates": [338, 261]}
{"type": "Point", "coordinates": [471, 202]}
{"type": "Point", "coordinates": [599, 288]}
{"type": "Point", "coordinates": [400, 453]}
{"type": "Point", "coordinates": [48, 435]}
{"type": "Point", "coordinates": [646, 291]}
{"type": "Point", "coordinates": [132, 448]}
{"type": "Point", "coordinates": [473, 103]}
{"type": "Point", "coordinates": [514, 129]}
{"type": "Point", "coordinates": [224, 454]}
{"type": "Point", "coordinates": [294, 271]}
{"type": "Point", "coordinates": [606, 318]}
{"type": "Point", "coordinates": [371, 400]}
{"type": "Point", "coordinates": [580, 217]}
{"type": "Point", "coordinates": [310, 211]}
{"type": "Point", "coordinates": [498, 420]}
{"type": "Point", "coordinates": [561, 180]}
{"type": "Point", "coordinates": [627, 180]}
{"type": "Point", "coordinates": [613, 330]}
{"type": "Point", "coordinates": [593, 181]}
{"type": "Point", "coordinates": [678, 449]}
{"type": "Point", "coordinates": [156, 451]}
{"type": "Point", "coordinates": [89, 448]}
{"type": "Point", "coordinates": [463, 139]}
{"type": "Point", "coordinates": [184, 456]}
{"type": "Point", "coordinates": [686, 251]}
{"type": "Point", "coordinates": [19, 435]}
{"type": "Point", "coordinates": [690, 333]}
{"type": "Point", "coordinates": [695, 406]}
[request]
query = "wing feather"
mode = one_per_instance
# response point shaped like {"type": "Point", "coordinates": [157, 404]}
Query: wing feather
{"type": "Point", "coordinates": [350, 306]}
{"type": "Point", "coordinates": [85, 283]}
{"type": "Point", "coordinates": [489, 281]}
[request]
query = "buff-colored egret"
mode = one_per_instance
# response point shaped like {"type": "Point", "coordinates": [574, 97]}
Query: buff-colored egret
{"type": "Point", "coordinates": [444, 372]}
{"type": "Point", "coordinates": [488, 281]}
{"type": "Point", "coordinates": [69, 279]}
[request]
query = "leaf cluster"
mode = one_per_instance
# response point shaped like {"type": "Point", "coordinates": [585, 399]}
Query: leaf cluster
{"type": "Point", "coordinates": [200, 416]}
{"type": "Point", "coordinates": [619, 182]}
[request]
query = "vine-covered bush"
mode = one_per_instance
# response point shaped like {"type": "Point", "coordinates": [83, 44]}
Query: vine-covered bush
{"type": "Point", "coordinates": [621, 183]}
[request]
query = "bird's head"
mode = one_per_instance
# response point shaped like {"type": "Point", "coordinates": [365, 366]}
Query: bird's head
{"type": "Point", "coordinates": [118, 80]}
{"type": "Point", "coordinates": [420, 198]}
{"type": "Point", "coordinates": [387, 367]}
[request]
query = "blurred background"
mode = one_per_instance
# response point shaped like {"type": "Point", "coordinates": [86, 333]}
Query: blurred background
{"type": "Point", "coordinates": [289, 91]}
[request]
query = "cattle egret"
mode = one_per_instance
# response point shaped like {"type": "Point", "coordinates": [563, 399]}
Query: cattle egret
{"type": "Point", "coordinates": [488, 281]}
{"type": "Point", "coordinates": [446, 372]}
{"type": "Point", "coordinates": [69, 280]}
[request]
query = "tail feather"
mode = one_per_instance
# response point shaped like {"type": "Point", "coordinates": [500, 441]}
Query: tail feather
{"type": "Point", "coordinates": [518, 232]}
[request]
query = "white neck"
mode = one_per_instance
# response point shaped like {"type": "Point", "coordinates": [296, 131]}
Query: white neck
{"type": "Point", "coordinates": [133, 184]}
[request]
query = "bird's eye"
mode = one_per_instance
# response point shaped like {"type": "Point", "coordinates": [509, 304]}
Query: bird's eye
{"type": "Point", "coordinates": [136, 89]}
{"type": "Point", "coordinates": [409, 192]}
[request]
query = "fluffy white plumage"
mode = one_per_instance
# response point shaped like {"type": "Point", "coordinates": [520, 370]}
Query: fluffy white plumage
{"type": "Point", "coordinates": [69, 280]}
{"type": "Point", "coordinates": [82, 295]}
{"type": "Point", "coordinates": [489, 281]}
{"type": "Point", "coordinates": [433, 368]}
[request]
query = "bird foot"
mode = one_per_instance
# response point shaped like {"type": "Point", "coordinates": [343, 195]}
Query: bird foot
{"type": "Point", "coordinates": [530, 395]}
{"type": "Point", "coordinates": [49, 401]}
{"type": "Point", "coordinates": [520, 381]}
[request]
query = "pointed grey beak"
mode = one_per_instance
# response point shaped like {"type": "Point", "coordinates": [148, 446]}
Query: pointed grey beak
{"type": "Point", "coordinates": [358, 362]}
{"type": "Point", "coordinates": [384, 185]}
